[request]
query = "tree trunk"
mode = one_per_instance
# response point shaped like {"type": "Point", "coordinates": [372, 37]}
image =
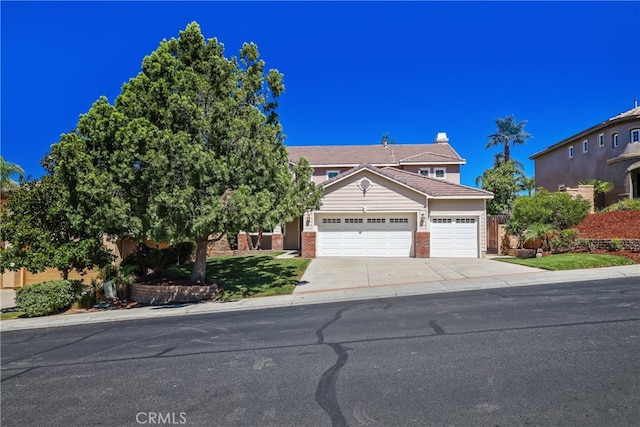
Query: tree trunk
{"type": "Point", "coordinates": [506, 152]}
{"type": "Point", "coordinates": [200, 265]}
{"type": "Point", "coordinates": [65, 274]}
{"type": "Point", "coordinates": [250, 241]}
{"type": "Point", "coordinates": [259, 242]}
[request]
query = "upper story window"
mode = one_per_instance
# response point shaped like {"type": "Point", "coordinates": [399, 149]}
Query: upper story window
{"type": "Point", "coordinates": [614, 140]}
{"type": "Point", "coordinates": [440, 173]}
{"type": "Point", "coordinates": [423, 172]}
{"type": "Point", "coordinates": [332, 173]}
{"type": "Point", "coordinates": [585, 146]}
{"type": "Point", "coordinates": [571, 152]}
{"type": "Point", "coordinates": [635, 135]}
{"type": "Point", "coordinates": [601, 140]}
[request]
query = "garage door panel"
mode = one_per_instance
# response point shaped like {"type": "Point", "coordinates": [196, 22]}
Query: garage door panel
{"type": "Point", "coordinates": [374, 236]}
{"type": "Point", "coordinates": [454, 237]}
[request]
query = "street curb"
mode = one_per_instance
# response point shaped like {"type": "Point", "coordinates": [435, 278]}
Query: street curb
{"type": "Point", "coordinates": [320, 297]}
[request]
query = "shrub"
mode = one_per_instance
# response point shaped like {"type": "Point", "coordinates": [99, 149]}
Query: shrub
{"type": "Point", "coordinates": [515, 228]}
{"type": "Point", "coordinates": [559, 210]}
{"type": "Point", "coordinates": [46, 298]}
{"type": "Point", "coordinates": [566, 240]}
{"type": "Point", "coordinates": [615, 245]}
{"type": "Point", "coordinates": [144, 257]}
{"type": "Point", "coordinates": [624, 205]}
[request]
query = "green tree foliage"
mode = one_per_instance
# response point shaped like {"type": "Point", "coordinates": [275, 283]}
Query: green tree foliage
{"type": "Point", "coordinates": [7, 169]}
{"type": "Point", "coordinates": [501, 181]}
{"type": "Point", "coordinates": [508, 132]}
{"type": "Point", "coordinates": [527, 184]}
{"type": "Point", "coordinates": [557, 210]}
{"type": "Point", "coordinates": [35, 223]}
{"type": "Point", "coordinates": [192, 148]}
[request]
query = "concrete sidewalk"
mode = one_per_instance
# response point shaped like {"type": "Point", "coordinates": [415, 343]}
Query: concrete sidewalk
{"type": "Point", "coordinates": [535, 277]}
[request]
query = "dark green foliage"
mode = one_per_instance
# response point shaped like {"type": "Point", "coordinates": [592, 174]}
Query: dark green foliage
{"type": "Point", "coordinates": [615, 245]}
{"type": "Point", "coordinates": [565, 240]}
{"type": "Point", "coordinates": [503, 183]}
{"type": "Point", "coordinates": [558, 210]}
{"type": "Point", "coordinates": [46, 298]}
{"type": "Point", "coordinates": [144, 258]}
{"type": "Point", "coordinates": [624, 205]}
{"type": "Point", "coordinates": [37, 224]}
{"type": "Point", "coordinates": [192, 148]}
{"type": "Point", "coordinates": [508, 131]}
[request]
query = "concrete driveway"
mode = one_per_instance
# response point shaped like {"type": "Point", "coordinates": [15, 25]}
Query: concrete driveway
{"type": "Point", "coordinates": [324, 274]}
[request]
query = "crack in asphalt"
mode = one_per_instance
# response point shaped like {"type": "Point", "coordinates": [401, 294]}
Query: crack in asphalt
{"type": "Point", "coordinates": [326, 395]}
{"type": "Point", "coordinates": [437, 328]}
{"type": "Point", "coordinates": [163, 355]}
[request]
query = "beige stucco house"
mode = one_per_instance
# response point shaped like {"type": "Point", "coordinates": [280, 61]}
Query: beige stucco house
{"type": "Point", "coordinates": [608, 151]}
{"type": "Point", "coordinates": [388, 200]}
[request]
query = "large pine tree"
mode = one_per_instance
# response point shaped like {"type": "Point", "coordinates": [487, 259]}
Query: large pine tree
{"type": "Point", "coordinates": [191, 148]}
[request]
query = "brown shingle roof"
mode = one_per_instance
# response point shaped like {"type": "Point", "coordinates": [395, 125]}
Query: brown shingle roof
{"type": "Point", "coordinates": [430, 186]}
{"type": "Point", "coordinates": [379, 155]}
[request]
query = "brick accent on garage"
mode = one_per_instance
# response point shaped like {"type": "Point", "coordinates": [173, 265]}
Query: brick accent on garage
{"type": "Point", "coordinates": [277, 242]}
{"type": "Point", "coordinates": [243, 243]}
{"type": "Point", "coordinates": [422, 244]}
{"type": "Point", "coordinates": [308, 244]}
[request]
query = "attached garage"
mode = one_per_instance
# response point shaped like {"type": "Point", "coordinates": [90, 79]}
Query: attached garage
{"type": "Point", "coordinates": [454, 237]}
{"type": "Point", "coordinates": [376, 235]}
{"type": "Point", "coordinates": [370, 212]}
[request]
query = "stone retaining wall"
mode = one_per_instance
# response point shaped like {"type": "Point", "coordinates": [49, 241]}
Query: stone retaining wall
{"type": "Point", "coordinates": [632, 245]}
{"type": "Point", "coordinates": [171, 294]}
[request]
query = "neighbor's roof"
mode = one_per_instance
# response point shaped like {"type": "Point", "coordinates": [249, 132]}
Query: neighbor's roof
{"type": "Point", "coordinates": [634, 113]}
{"type": "Point", "coordinates": [379, 155]}
{"type": "Point", "coordinates": [432, 187]}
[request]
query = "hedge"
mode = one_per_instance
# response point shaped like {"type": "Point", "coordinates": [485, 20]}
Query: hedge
{"type": "Point", "coordinates": [46, 298]}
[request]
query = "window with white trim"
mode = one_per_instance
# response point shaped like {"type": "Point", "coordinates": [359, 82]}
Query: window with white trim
{"type": "Point", "coordinates": [423, 172]}
{"type": "Point", "coordinates": [465, 220]}
{"type": "Point", "coordinates": [353, 220]}
{"type": "Point", "coordinates": [585, 146]}
{"type": "Point", "coordinates": [331, 220]}
{"type": "Point", "coordinates": [571, 152]}
{"type": "Point", "coordinates": [376, 220]}
{"type": "Point", "coordinates": [614, 140]}
{"type": "Point", "coordinates": [635, 135]}
{"type": "Point", "coordinates": [332, 173]}
{"type": "Point", "coordinates": [601, 140]}
{"type": "Point", "coordinates": [398, 220]}
{"type": "Point", "coordinates": [441, 220]}
{"type": "Point", "coordinates": [440, 173]}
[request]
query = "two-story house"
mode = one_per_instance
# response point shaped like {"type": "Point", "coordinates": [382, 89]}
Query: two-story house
{"type": "Point", "coordinates": [388, 200]}
{"type": "Point", "coordinates": [608, 151]}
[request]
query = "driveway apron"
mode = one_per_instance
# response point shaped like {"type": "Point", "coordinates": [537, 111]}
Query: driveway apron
{"type": "Point", "coordinates": [334, 273]}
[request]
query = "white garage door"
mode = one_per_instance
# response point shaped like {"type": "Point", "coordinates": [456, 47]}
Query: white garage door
{"type": "Point", "coordinates": [365, 235]}
{"type": "Point", "coordinates": [454, 237]}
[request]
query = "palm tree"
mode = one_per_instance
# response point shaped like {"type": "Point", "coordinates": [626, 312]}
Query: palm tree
{"type": "Point", "coordinates": [527, 184]}
{"type": "Point", "coordinates": [6, 170]}
{"type": "Point", "coordinates": [508, 132]}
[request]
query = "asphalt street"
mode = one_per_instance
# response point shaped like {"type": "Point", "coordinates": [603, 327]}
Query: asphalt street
{"type": "Point", "coordinates": [552, 355]}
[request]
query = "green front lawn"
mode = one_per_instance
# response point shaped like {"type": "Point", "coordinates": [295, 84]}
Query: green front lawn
{"type": "Point", "coordinates": [252, 275]}
{"type": "Point", "coordinates": [570, 261]}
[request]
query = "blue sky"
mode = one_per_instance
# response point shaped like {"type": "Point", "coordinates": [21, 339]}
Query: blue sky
{"type": "Point", "coordinates": [353, 70]}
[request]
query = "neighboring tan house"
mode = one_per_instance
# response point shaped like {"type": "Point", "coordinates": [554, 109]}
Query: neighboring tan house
{"type": "Point", "coordinates": [388, 201]}
{"type": "Point", "coordinates": [608, 151]}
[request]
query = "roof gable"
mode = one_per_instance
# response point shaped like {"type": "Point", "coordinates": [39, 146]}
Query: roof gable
{"type": "Point", "coordinates": [430, 187]}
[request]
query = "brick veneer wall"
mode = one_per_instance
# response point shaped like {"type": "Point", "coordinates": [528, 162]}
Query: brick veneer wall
{"type": "Point", "coordinates": [173, 294]}
{"type": "Point", "coordinates": [243, 243]}
{"type": "Point", "coordinates": [308, 244]}
{"type": "Point", "coordinates": [277, 242]}
{"type": "Point", "coordinates": [422, 244]}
